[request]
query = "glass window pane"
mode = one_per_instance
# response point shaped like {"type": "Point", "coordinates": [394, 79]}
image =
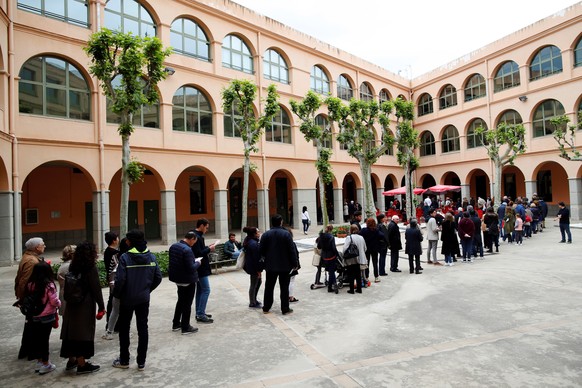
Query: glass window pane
{"type": "Point", "coordinates": [130, 25]}
{"type": "Point", "coordinates": [236, 61]}
{"type": "Point", "coordinates": [206, 123]}
{"type": "Point", "coordinates": [203, 50]}
{"type": "Point", "coordinates": [114, 5]}
{"type": "Point", "coordinates": [190, 46]}
{"type": "Point", "coordinates": [112, 21]}
{"type": "Point", "coordinates": [30, 98]}
{"type": "Point", "coordinates": [147, 29]}
{"type": "Point", "coordinates": [178, 119]}
{"type": "Point", "coordinates": [56, 102]}
{"type": "Point", "coordinates": [176, 40]}
{"type": "Point", "coordinates": [151, 116]}
{"type": "Point", "coordinates": [32, 3]}
{"type": "Point", "coordinates": [192, 121]}
{"type": "Point", "coordinates": [204, 105]}
{"type": "Point", "coordinates": [131, 7]}
{"type": "Point", "coordinates": [55, 6]}
{"type": "Point", "coordinates": [32, 70]}
{"type": "Point", "coordinates": [78, 10]}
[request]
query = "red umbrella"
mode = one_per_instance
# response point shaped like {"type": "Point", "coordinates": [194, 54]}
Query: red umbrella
{"type": "Point", "coordinates": [402, 191]}
{"type": "Point", "coordinates": [438, 189]}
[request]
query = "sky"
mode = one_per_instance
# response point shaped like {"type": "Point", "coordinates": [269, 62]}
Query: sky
{"type": "Point", "coordinates": [410, 37]}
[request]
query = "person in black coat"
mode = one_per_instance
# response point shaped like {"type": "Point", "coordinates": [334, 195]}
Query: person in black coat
{"type": "Point", "coordinates": [280, 259]}
{"type": "Point", "coordinates": [203, 287]}
{"type": "Point", "coordinates": [413, 237]}
{"type": "Point", "coordinates": [450, 243]}
{"type": "Point", "coordinates": [372, 236]}
{"type": "Point", "coordinates": [254, 266]}
{"type": "Point", "coordinates": [383, 243]}
{"type": "Point", "coordinates": [326, 242]}
{"type": "Point", "coordinates": [394, 242]}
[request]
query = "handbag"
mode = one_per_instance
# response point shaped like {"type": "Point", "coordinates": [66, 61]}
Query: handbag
{"type": "Point", "coordinates": [240, 261]}
{"type": "Point", "coordinates": [316, 257]}
{"type": "Point", "coordinates": [352, 250]}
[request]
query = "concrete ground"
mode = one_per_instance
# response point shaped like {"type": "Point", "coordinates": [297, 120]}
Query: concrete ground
{"type": "Point", "coordinates": [513, 319]}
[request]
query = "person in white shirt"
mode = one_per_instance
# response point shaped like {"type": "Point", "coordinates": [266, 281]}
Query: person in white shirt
{"type": "Point", "coordinates": [305, 219]}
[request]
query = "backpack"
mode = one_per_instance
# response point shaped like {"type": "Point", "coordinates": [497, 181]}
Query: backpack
{"type": "Point", "coordinates": [75, 288]}
{"type": "Point", "coordinates": [31, 305]}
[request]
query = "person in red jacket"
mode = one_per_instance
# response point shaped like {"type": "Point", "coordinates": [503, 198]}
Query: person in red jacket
{"type": "Point", "coordinates": [466, 230]}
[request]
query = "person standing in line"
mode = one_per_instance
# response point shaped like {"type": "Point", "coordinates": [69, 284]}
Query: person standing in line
{"type": "Point", "coordinates": [138, 274]}
{"type": "Point", "coordinates": [518, 230]}
{"type": "Point", "coordinates": [509, 223]}
{"type": "Point", "coordinates": [346, 211]}
{"type": "Point", "coordinates": [183, 270]}
{"type": "Point", "coordinates": [357, 219]}
{"type": "Point", "coordinates": [491, 221]}
{"type": "Point", "coordinates": [78, 329]}
{"type": "Point", "coordinates": [305, 219]}
{"type": "Point", "coordinates": [280, 259]}
{"type": "Point", "coordinates": [477, 238]}
{"type": "Point", "coordinates": [353, 265]}
{"type": "Point", "coordinates": [413, 249]}
{"type": "Point", "coordinates": [326, 242]}
{"type": "Point", "coordinates": [384, 244]}
{"type": "Point", "coordinates": [254, 266]}
{"type": "Point", "coordinates": [450, 244]}
{"type": "Point", "coordinates": [42, 284]}
{"type": "Point", "coordinates": [68, 253]}
{"type": "Point", "coordinates": [203, 287]}
{"type": "Point", "coordinates": [394, 242]}
{"type": "Point", "coordinates": [564, 218]}
{"type": "Point", "coordinates": [32, 256]}
{"type": "Point", "coordinates": [466, 230]}
{"type": "Point", "coordinates": [432, 229]}
{"type": "Point", "coordinates": [110, 258]}
{"type": "Point", "coordinates": [373, 236]}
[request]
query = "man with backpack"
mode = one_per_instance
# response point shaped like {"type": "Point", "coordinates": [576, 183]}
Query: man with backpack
{"type": "Point", "coordinates": [137, 276]}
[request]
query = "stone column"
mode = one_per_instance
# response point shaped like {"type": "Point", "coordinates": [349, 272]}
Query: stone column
{"type": "Point", "coordinates": [17, 206]}
{"type": "Point", "coordinates": [7, 247]}
{"type": "Point", "coordinates": [221, 214]}
{"type": "Point", "coordinates": [263, 209]}
{"type": "Point", "coordinates": [338, 204]}
{"type": "Point", "coordinates": [360, 198]}
{"type": "Point", "coordinates": [575, 198]}
{"type": "Point", "coordinates": [101, 223]}
{"type": "Point", "coordinates": [530, 188]}
{"type": "Point", "coordinates": [465, 191]}
{"type": "Point", "coordinates": [304, 197]}
{"type": "Point", "coordinates": [169, 231]}
{"type": "Point", "coordinates": [380, 199]}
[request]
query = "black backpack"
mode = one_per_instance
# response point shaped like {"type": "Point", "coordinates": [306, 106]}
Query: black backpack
{"type": "Point", "coordinates": [75, 288]}
{"type": "Point", "coordinates": [31, 305]}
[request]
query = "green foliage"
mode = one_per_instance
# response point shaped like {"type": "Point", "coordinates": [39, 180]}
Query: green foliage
{"type": "Point", "coordinates": [565, 136]}
{"type": "Point", "coordinates": [340, 229]}
{"type": "Point", "coordinates": [508, 136]}
{"type": "Point", "coordinates": [135, 171]}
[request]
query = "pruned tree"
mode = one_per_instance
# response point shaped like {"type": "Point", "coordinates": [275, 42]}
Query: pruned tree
{"type": "Point", "coordinates": [306, 110]}
{"type": "Point", "coordinates": [565, 135]}
{"type": "Point", "coordinates": [503, 145]}
{"type": "Point", "coordinates": [241, 95]}
{"type": "Point", "coordinates": [407, 142]}
{"type": "Point", "coordinates": [357, 132]}
{"type": "Point", "coordinates": [128, 68]}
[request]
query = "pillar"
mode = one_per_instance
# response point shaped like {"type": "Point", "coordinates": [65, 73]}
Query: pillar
{"type": "Point", "coordinates": [169, 231]}
{"type": "Point", "coordinates": [101, 223]}
{"type": "Point", "coordinates": [263, 209]}
{"type": "Point", "coordinates": [7, 247]}
{"type": "Point", "coordinates": [380, 199]}
{"type": "Point", "coordinates": [360, 197]}
{"type": "Point", "coordinates": [221, 214]}
{"type": "Point", "coordinates": [304, 197]}
{"type": "Point", "coordinates": [530, 188]}
{"type": "Point", "coordinates": [338, 205]}
{"type": "Point", "coordinates": [575, 198]}
{"type": "Point", "coordinates": [465, 191]}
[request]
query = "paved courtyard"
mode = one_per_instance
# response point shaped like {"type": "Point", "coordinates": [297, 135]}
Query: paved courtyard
{"type": "Point", "coordinates": [513, 319]}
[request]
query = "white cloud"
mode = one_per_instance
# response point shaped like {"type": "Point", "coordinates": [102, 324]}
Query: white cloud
{"type": "Point", "coordinates": [414, 35]}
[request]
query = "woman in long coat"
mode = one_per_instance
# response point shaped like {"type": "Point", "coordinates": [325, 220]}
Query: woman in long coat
{"type": "Point", "coordinates": [78, 331]}
{"type": "Point", "coordinates": [413, 237]}
{"type": "Point", "coordinates": [509, 222]}
{"type": "Point", "coordinates": [450, 246]}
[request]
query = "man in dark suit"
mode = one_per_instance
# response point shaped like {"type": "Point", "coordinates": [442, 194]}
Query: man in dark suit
{"type": "Point", "coordinates": [280, 259]}
{"type": "Point", "coordinates": [394, 242]}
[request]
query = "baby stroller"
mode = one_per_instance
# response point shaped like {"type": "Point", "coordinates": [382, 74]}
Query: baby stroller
{"type": "Point", "coordinates": [340, 268]}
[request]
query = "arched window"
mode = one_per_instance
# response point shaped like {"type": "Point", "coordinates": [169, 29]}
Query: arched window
{"type": "Point", "coordinates": [322, 122]}
{"type": "Point", "coordinates": [448, 97]}
{"type": "Point", "coordinates": [450, 141]}
{"type": "Point", "coordinates": [510, 117]}
{"type": "Point", "coordinates": [547, 61]}
{"type": "Point", "coordinates": [578, 54]}
{"type": "Point", "coordinates": [475, 87]}
{"type": "Point", "coordinates": [344, 88]}
{"type": "Point", "coordinates": [129, 16]}
{"type": "Point", "coordinates": [51, 86]}
{"type": "Point", "coordinates": [425, 105]}
{"type": "Point", "coordinates": [275, 68]}
{"type": "Point", "coordinates": [474, 140]}
{"type": "Point", "coordinates": [237, 55]}
{"type": "Point", "coordinates": [507, 77]}
{"type": "Point", "coordinates": [231, 119]}
{"type": "Point", "coordinates": [546, 111]}
{"type": "Point", "coordinates": [366, 93]}
{"type": "Point", "coordinates": [188, 38]}
{"type": "Point", "coordinates": [191, 111]}
{"type": "Point", "coordinates": [427, 144]}
{"type": "Point", "coordinates": [319, 80]}
{"type": "Point", "coordinates": [280, 129]}
{"type": "Point", "coordinates": [383, 96]}
{"type": "Point", "coordinates": [71, 11]}
{"type": "Point", "coordinates": [148, 115]}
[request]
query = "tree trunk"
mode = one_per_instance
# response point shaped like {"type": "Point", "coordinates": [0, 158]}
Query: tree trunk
{"type": "Point", "coordinates": [409, 192]}
{"type": "Point", "coordinates": [124, 203]}
{"type": "Point", "coordinates": [368, 206]}
{"type": "Point", "coordinates": [245, 193]}
{"type": "Point", "coordinates": [497, 192]}
{"type": "Point", "coordinates": [322, 193]}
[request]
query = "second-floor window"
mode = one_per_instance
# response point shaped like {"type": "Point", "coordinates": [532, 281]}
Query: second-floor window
{"type": "Point", "coordinates": [237, 55]}
{"type": "Point", "coordinates": [71, 11]}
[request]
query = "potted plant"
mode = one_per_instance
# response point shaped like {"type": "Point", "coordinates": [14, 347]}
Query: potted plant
{"type": "Point", "coordinates": [341, 231]}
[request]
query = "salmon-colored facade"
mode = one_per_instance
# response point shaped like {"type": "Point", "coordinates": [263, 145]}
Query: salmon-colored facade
{"type": "Point", "coordinates": [60, 153]}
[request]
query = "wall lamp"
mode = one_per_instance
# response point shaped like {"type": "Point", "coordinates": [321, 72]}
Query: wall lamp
{"type": "Point", "coordinates": [521, 98]}
{"type": "Point", "coordinates": [171, 71]}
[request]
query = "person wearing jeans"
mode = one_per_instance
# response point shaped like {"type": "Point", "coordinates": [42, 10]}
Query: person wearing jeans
{"type": "Point", "coordinates": [466, 230]}
{"type": "Point", "coordinates": [203, 287]}
{"type": "Point", "coordinates": [305, 219]}
{"type": "Point", "coordinates": [564, 217]}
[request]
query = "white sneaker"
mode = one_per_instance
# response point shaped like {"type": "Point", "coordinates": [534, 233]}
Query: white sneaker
{"type": "Point", "coordinates": [451, 264]}
{"type": "Point", "coordinates": [44, 369]}
{"type": "Point", "coordinates": [107, 336]}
